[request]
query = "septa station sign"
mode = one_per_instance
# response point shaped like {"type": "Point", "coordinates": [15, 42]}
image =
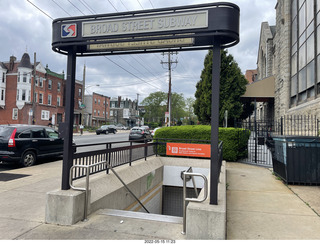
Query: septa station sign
{"type": "Point", "coordinates": [189, 150]}
{"type": "Point", "coordinates": [179, 28]}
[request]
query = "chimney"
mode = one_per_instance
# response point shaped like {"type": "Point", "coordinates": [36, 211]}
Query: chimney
{"type": "Point", "coordinates": [119, 101]}
{"type": "Point", "coordinates": [12, 60]}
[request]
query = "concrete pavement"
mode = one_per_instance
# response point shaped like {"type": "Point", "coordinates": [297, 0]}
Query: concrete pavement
{"type": "Point", "coordinates": [259, 206]}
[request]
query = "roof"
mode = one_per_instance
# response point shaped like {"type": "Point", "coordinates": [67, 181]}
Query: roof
{"type": "Point", "coordinates": [25, 61]}
{"type": "Point", "coordinates": [261, 90]}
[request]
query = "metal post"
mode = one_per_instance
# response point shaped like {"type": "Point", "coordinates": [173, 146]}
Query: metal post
{"type": "Point", "coordinates": [214, 169]}
{"type": "Point", "coordinates": [255, 131]}
{"type": "Point", "coordinates": [67, 148]}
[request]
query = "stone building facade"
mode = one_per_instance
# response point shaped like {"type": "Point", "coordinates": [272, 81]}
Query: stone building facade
{"type": "Point", "coordinates": [290, 51]}
{"type": "Point", "coordinates": [297, 55]}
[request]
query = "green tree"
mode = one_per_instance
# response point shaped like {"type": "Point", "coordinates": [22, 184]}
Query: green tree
{"type": "Point", "coordinates": [232, 87]}
{"type": "Point", "coordinates": [156, 105]}
{"type": "Point", "coordinates": [178, 106]}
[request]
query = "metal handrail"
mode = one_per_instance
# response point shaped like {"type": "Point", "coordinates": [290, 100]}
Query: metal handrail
{"type": "Point", "coordinates": [86, 188]}
{"type": "Point", "coordinates": [185, 199]}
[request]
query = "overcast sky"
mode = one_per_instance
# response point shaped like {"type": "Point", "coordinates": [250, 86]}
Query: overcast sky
{"type": "Point", "coordinates": [26, 25]}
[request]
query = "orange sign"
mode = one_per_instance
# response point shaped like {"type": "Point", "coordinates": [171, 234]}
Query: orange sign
{"type": "Point", "coordinates": [189, 150]}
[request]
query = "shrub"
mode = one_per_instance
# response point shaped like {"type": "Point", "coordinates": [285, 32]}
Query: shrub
{"type": "Point", "coordinates": [234, 140]}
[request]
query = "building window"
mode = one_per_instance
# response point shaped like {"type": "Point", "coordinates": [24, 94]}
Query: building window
{"type": "Point", "coordinates": [41, 82]}
{"type": "Point", "coordinates": [98, 112]}
{"type": "Point", "coordinates": [58, 101]}
{"type": "Point", "coordinates": [99, 101]}
{"type": "Point", "coordinates": [111, 113]}
{"type": "Point", "coordinates": [17, 94]}
{"type": "Point", "coordinates": [49, 99]}
{"type": "Point", "coordinates": [40, 98]}
{"type": "Point", "coordinates": [113, 105]}
{"type": "Point", "coordinates": [45, 115]}
{"type": "Point", "coordinates": [15, 114]}
{"type": "Point", "coordinates": [80, 92]}
{"type": "Point", "coordinates": [23, 95]}
{"type": "Point", "coordinates": [95, 101]}
{"type": "Point", "coordinates": [24, 78]}
{"type": "Point", "coordinates": [2, 95]}
{"type": "Point", "coordinates": [94, 112]}
{"type": "Point", "coordinates": [59, 86]}
{"type": "Point", "coordinates": [36, 97]}
{"type": "Point", "coordinates": [3, 77]}
{"type": "Point", "coordinates": [303, 50]}
{"type": "Point", "coordinates": [50, 84]}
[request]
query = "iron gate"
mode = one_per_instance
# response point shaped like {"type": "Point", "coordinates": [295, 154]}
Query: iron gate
{"type": "Point", "coordinates": [258, 152]}
{"type": "Point", "coordinates": [262, 130]}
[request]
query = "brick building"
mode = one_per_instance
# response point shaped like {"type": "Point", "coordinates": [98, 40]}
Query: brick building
{"type": "Point", "coordinates": [18, 90]}
{"type": "Point", "coordinates": [97, 110]}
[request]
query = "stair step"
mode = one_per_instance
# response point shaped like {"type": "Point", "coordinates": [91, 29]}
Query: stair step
{"type": "Point", "coordinates": [140, 215]}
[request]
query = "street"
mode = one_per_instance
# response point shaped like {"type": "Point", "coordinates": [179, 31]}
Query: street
{"type": "Point", "coordinates": [79, 140]}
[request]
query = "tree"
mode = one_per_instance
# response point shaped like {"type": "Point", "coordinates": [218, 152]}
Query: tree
{"type": "Point", "coordinates": [156, 106]}
{"type": "Point", "coordinates": [232, 87]}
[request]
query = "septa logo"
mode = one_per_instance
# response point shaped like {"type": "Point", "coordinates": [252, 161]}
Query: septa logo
{"type": "Point", "coordinates": [69, 30]}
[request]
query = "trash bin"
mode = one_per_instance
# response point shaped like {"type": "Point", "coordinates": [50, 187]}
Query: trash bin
{"type": "Point", "coordinates": [296, 159]}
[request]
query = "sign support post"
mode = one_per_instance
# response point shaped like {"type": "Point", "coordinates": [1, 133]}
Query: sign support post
{"type": "Point", "coordinates": [215, 91]}
{"type": "Point", "coordinates": [69, 115]}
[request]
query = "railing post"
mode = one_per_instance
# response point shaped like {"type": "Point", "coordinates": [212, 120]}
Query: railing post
{"type": "Point", "coordinates": [130, 153]}
{"type": "Point", "coordinates": [145, 149]}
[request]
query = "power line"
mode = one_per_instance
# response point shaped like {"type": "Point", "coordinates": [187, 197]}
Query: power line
{"type": "Point", "coordinates": [40, 9]}
{"type": "Point", "coordinates": [61, 7]}
{"type": "Point", "coordinates": [76, 7]}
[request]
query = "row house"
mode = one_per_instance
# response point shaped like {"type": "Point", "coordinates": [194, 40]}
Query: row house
{"type": "Point", "coordinates": [124, 111]}
{"type": "Point", "coordinates": [97, 110]}
{"type": "Point", "coordinates": [28, 100]}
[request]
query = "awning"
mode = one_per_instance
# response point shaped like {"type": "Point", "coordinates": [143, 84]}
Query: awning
{"type": "Point", "coordinates": [262, 90]}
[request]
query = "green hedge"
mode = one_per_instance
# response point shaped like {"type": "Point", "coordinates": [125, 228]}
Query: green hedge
{"type": "Point", "coordinates": [234, 140]}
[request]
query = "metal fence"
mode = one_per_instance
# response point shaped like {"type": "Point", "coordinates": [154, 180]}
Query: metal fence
{"type": "Point", "coordinates": [263, 130]}
{"type": "Point", "coordinates": [114, 154]}
{"type": "Point", "coordinates": [297, 125]}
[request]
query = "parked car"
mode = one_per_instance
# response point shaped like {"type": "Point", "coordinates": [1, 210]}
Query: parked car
{"type": "Point", "coordinates": [154, 130]}
{"type": "Point", "coordinates": [121, 127]}
{"type": "Point", "coordinates": [105, 129]}
{"type": "Point", "coordinates": [25, 144]}
{"type": "Point", "coordinates": [140, 133]}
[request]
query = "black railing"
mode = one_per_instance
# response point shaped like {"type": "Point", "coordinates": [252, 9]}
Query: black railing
{"type": "Point", "coordinates": [114, 153]}
{"type": "Point", "coordinates": [297, 125]}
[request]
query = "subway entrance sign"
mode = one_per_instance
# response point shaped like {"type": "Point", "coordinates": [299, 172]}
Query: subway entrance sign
{"type": "Point", "coordinates": [185, 28]}
{"type": "Point", "coordinates": [179, 28]}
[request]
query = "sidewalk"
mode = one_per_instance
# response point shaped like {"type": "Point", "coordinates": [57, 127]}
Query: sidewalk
{"type": "Point", "coordinates": [259, 206]}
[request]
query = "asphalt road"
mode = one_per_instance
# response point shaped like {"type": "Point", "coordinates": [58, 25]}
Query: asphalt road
{"type": "Point", "coordinates": [79, 140]}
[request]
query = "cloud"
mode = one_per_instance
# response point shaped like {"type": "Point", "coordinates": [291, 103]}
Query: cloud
{"type": "Point", "coordinates": [24, 27]}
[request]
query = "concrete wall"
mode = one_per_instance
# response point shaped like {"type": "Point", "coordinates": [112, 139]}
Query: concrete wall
{"type": "Point", "coordinates": [145, 180]}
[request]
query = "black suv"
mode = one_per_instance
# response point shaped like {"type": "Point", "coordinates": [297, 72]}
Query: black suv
{"type": "Point", "coordinates": [26, 143]}
{"type": "Point", "coordinates": [106, 129]}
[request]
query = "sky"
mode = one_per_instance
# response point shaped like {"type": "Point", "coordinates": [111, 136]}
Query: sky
{"type": "Point", "coordinates": [26, 26]}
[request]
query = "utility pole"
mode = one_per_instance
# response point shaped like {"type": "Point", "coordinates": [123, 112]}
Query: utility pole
{"type": "Point", "coordinates": [138, 109]}
{"type": "Point", "coordinates": [169, 63]}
